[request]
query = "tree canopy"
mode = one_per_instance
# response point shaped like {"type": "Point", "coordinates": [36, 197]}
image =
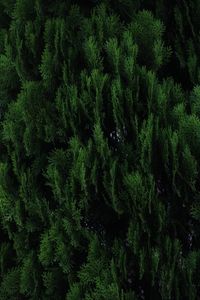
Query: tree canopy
{"type": "Point", "coordinates": [100, 150]}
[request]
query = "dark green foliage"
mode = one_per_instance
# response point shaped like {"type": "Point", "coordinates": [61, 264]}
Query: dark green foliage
{"type": "Point", "coordinates": [100, 150]}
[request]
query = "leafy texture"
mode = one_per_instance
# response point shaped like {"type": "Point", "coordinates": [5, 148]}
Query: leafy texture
{"type": "Point", "coordinates": [99, 150]}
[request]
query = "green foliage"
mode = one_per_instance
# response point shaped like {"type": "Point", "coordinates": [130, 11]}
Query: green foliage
{"type": "Point", "coordinates": [92, 54]}
{"type": "Point", "coordinates": [46, 249]}
{"type": "Point", "coordinates": [10, 285]}
{"type": "Point", "coordinates": [152, 51]}
{"type": "Point", "coordinates": [9, 83]}
{"type": "Point", "coordinates": [99, 150]}
{"type": "Point", "coordinates": [28, 277]}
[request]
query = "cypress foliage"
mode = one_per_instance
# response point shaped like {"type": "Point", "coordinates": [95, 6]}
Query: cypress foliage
{"type": "Point", "coordinates": [99, 140]}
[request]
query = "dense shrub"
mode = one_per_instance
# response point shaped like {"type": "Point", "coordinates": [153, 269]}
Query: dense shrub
{"type": "Point", "coordinates": [99, 140]}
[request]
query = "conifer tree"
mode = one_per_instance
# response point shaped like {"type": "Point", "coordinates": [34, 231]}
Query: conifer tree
{"type": "Point", "coordinates": [99, 140]}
